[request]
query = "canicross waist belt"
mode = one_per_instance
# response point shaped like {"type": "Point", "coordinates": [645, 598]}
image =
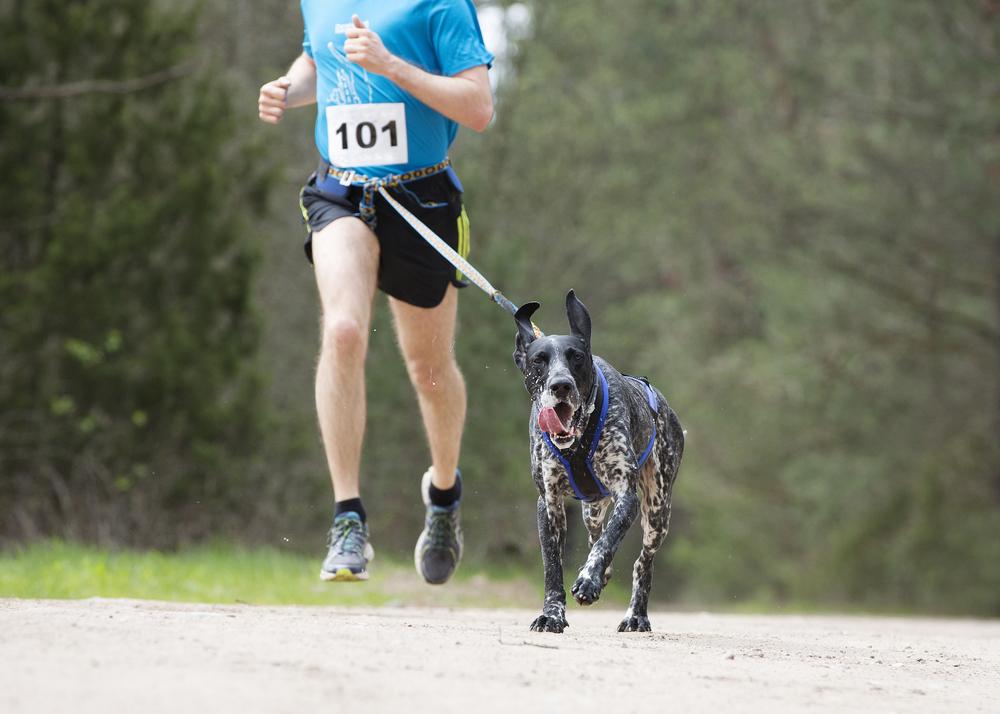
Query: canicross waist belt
{"type": "Point", "coordinates": [334, 180]}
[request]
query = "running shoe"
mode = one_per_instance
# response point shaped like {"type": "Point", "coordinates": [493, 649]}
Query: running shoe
{"type": "Point", "coordinates": [439, 547]}
{"type": "Point", "coordinates": [349, 550]}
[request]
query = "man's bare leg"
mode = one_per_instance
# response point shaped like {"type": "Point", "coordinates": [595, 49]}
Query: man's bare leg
{"type": "Point", "coordinates": [427, 341]}
{"type": "Point", "coordinates": [426, 338]}
{"type": "Point", "coordinates": [345, 255]}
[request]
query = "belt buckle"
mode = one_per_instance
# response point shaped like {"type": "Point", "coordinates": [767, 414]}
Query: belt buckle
{"type": "Point", "coordinates": [347, 178]}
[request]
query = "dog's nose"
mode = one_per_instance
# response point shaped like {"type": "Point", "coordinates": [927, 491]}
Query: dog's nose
{"type": "Point", "coordinates": [561, 388]}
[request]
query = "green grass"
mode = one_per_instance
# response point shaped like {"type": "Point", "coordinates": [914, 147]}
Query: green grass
{"type": "Point", "coordinates": [229, 574]}
{"type": "Point", "coordinates": [225, 573]}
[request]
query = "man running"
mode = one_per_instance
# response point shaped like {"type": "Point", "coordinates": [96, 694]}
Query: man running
{"type": "Point", "coordinates": [392, 81]}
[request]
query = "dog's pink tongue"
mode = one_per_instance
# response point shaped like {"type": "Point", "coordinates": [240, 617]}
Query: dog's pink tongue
{"type": "Point", "coordinates": [549, 421]}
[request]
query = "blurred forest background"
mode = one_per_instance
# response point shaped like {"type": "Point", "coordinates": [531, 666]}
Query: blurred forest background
{"type": "Point", "coordinates": [784, 212]}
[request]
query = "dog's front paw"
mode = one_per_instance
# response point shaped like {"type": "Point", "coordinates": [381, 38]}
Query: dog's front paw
{"type": "Point", "coordinates": [586, 590]}
{"type": "Point", "coordinates": [549, 623]}
{"type": "Point", "coordinates": [635, 623]}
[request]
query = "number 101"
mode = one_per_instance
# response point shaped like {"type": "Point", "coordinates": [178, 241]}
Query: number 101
{"type": "Point", "coordinates": [365, 134]}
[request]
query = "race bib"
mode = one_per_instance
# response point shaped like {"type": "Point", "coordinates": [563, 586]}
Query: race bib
{"type": "Point", "coordinates": [367, 134]}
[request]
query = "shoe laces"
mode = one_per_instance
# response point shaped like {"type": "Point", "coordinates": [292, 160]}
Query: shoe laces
{"type": "Point", "coordinates": [348, 536]}
{"type": "Point", "coordinates": [441, 527]}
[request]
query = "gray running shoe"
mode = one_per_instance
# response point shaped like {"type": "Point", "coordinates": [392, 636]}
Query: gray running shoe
{"type": "Point", "coordinates": [439, 547]}
{"type": "Point", "coordinates": [349, 550]}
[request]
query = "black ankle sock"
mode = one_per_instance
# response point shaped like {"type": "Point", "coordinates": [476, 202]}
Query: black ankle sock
{"type": "Point", "coordinates": [351, 504]}
{"type": "Point", "coordinates": [447, 496]}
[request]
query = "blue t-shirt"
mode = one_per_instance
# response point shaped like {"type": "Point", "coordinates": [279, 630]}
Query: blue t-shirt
{"type": "Point", "coordinates": [439, 36]}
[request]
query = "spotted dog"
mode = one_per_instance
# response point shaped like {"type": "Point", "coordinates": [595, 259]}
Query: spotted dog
{"type": "Point", "coordinates": [605, 438]}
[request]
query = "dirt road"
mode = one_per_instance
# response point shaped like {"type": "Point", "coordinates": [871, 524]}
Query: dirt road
{"type": "Point", "coordinates": [129, 656]}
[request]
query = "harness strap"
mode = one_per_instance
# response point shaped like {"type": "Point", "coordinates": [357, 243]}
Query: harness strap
{"type": "Point", "coordinates": [580, 469]}
{"type": "Point", "coordinates": [653, 402]}
{"type": "Point", "coordinates": [579, 465]}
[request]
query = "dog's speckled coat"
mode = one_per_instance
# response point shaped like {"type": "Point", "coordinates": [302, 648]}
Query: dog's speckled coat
{"type": "Point", "coordinates": [561, 369]}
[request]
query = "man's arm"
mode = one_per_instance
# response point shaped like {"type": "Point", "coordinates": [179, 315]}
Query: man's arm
{"type": "Point", "coordinates": [295, 89]}
{"type": "Point", "coordinates": [465, 98]}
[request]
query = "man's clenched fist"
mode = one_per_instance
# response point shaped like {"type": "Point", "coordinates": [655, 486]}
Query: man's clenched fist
{"type": "Point", "coordinates": [365, 48]}
{"type": "Point", "coordinates": [272, 102]}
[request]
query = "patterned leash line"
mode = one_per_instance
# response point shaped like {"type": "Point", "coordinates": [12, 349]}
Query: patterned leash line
{"type": "Point", "coordinates": [452, 256]}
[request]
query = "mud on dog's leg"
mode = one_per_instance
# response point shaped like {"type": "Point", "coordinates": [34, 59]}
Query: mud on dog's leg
{"type": "Point", "coordinates": [656, 498]}
{"type": "Point", "coordinates": [588, 586]}
{"type": "Point", "coordinates": [654, 530]}
{"type": "Point", "coordinates": [552, 536]}
{"type": "Point", "coordinates": [593, 518]}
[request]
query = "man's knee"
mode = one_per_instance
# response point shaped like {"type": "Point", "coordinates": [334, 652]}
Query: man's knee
{"type": "Point", "coordinates": [344, 336]}
{"type": "Point", "coordinates": [432, 374]}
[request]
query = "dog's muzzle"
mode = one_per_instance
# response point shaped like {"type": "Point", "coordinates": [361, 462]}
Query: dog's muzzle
{"type": "Point", "coordinates": [561, 419]}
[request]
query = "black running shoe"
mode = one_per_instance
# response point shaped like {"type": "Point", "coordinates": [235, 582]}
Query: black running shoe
{"type": "Point", "coordinates": [439, 547]}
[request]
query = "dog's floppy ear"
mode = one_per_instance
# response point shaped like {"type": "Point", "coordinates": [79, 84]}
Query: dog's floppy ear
{"type": "Point", "coordinates": [525, 331]}
{"type": "Point", "coordinates": [579, 318]}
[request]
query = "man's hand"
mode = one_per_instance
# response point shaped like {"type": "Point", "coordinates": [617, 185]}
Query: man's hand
{"type": "Point", "coordinates": [273, 100]}
{"type": "Point", "coordinates": [365, 48]}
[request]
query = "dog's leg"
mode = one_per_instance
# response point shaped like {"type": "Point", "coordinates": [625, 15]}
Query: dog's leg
{"type": "Point", "coordinates": [657, 489]}
{"type": "Point", "coordinates": [655, 523]}
{"type": "Point", "coordinates": [588, 586]}
{"type": "Point", "coordinates": [552, 535]}
{"type": "Point", "coordinates": [593, 518]}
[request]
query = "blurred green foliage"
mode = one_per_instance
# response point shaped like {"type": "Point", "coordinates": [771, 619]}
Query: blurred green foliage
{"type": "Point", "coordinates": [784, 213]}
{"type": "Point", "coordinates": [127, 332]}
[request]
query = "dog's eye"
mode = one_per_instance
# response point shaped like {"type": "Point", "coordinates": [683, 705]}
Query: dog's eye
{"type": "Point", "coordinates": [577, 357]}
{"type": "Point", "coordinates": [540, 358]}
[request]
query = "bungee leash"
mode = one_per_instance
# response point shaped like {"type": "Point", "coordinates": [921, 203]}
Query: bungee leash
{"type": "Point", "coordinates": [452, 256]}
{"type": "Point", "coordinates": [369, 186]}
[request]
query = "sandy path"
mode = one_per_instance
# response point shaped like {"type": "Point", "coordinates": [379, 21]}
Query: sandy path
{"type": "Point", "coordinates": [129, 656]}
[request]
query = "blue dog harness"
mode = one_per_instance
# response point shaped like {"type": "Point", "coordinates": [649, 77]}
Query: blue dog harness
{"type": "Point", "coordinates": [579, 464]}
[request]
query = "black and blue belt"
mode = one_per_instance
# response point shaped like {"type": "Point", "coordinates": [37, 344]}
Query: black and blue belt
{"type": "Point", "coordinates": [336, 181]}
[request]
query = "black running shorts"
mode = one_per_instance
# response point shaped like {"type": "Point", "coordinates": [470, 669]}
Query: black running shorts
{"type": "Point", "coordinates": [409, 268]}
